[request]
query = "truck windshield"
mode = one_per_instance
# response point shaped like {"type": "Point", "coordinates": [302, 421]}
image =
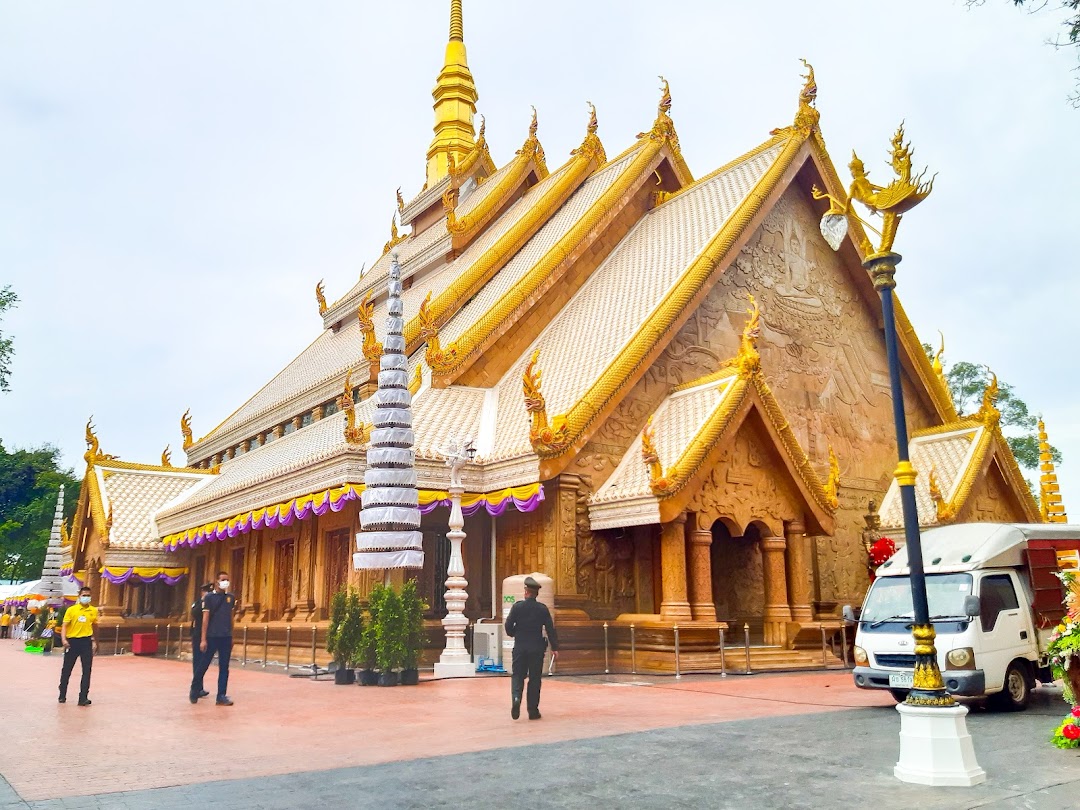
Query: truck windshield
{"type": "Point", "coordinates": [889, 599]}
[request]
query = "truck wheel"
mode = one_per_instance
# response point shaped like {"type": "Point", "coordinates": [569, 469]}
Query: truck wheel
{"type": "Point", "coordinates": [1016, 693]}
{"type": "Point", "coordinates": [899, 695]}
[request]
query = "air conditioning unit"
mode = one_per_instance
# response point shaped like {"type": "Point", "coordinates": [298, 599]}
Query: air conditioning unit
{"type": "Point", "coordinates": [487, 641]}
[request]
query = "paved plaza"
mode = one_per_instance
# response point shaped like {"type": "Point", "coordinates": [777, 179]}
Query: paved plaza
{"type": "Point", "coordinates": [795, 740]}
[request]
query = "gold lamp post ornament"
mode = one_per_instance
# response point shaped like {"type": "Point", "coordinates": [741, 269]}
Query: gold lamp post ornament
{"type": "Point", "coordinates": [891, 202]}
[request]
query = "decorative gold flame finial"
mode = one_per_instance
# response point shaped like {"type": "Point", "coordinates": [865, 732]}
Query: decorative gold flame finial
{"type": "Point", "coordinates": [533, 124]}
{"type": "Point", "coordinates": [365, 313]}
{"type": "Point", "coordinates": [92, 444]}
{"type": "Point", "coordinates": [320, 296]}
{"type": "Point", "coordinates": [944, 509]}
{"type": "Point", "coordinates": [395, 240]}
{"type": "Point", "coordinates": [749, 360]}
{"type": "Point", "coordinates": [546, 437]}
{"type": "Point", "coordinates": [988, 413]}
{"type": "Point", "coordinates": [664, 107]}
{"type": "Point", "coordinates": [354, 434]}
{"type": "Point", "coordinates": [429, 332]}
{"type": "Point", "coordinates": [166, 457]}
{"type": "Point", "coordinates": [400, 200]}
{"type": "Point", "coordinates": [658, 482]}
{"type": "Point", "coordinates": [185, 429]}
{"type": "Point", "coordinates": [591, 147]}
{"type": "Point", "coordinates": [807, 116]}
{"type": "Point", "coordinates": [593, 124]}
{"type": "Point", "coordinates": [1050, 505]}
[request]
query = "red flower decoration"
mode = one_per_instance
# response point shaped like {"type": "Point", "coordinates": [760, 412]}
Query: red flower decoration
{"type": "Point", "coordinates": [882, 550]}
{"type": "Point", "coordinates": [1076, 711]}
{"type": "Point", "coordinates": [1071, 731]}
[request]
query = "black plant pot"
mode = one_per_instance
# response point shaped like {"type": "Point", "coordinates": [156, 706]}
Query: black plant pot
{"type": "Point", "coordinates": [344, 677]}
{"type": "Point", "coordinates": [410, 677]}
{"type": "Point", "coordinates": [369, 677]}
{"type": "Point", "coordinates": [388, 679]}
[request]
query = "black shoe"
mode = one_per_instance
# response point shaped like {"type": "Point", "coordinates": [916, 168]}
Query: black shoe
{"type": "Point", "coordinates": [194, 697]}
{"type": "Point", "coordinates": [534, 715]}
{"type": "Point", "coordinates": [203, 693]}
{"type": "Point", "coordinates": [515, 708]}
{"type": "Point", "coordinates": [224, 700]}
{"type": "Point", "coordinates": [62, 699]}
{"type": "Point", "coordinates": [84, 701]}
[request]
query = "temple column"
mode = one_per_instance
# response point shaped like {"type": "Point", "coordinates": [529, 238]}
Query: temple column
{"type": "Point", "coordinates": [800, 586]}
{"type": "Point", "coordinates": [777, 610]}
{"type": "Point", "coordinates": [701, 598]}
{"type": "Point", "coordinates": [305, 570]}
{"type": "Point", "coordinates": [675, 607]}
{"type": "Point", "coordinates": [560, 543]}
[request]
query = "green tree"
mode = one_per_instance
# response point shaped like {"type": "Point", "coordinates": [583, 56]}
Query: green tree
{"type": "Point", "coordinates": [29, 482]}
{"type": "Point", "coordinates": [8, 299]}
{"type": "Point", "coordinates": [967, 381]}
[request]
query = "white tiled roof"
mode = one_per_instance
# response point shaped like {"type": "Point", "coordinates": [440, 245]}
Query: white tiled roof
{"type": "Point", "coordinates": [134, 496]}
{"type": "Point", "coordinates": [948, 455]}
{"type": "Point", "coordinates": [440, 412]}
{"type": "Point", "coordinates": [675, 423]}
{"type": "Point", "coordinates": [586, 336]}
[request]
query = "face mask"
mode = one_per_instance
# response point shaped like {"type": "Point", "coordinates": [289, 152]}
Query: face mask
{"type": "Point", "coordinates": [84, 600]}
{"type": "Point", "coordinates": [224, 584]}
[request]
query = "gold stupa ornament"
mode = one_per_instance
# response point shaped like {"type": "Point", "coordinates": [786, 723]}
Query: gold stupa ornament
{"type": "Point", "coordinates": [889, 202]}
{"type": "Point", "coordinates": [1050, 506]}
{"type": "Point", "coordinates": [455, 104]}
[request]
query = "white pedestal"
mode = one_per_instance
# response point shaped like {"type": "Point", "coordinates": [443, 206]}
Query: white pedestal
{"type": "Point", "coordinates": [935, 747]}
{"type": "Point", "coordinates": [455, 669]}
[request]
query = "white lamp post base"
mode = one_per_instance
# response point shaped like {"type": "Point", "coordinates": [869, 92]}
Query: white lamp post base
{"type": "Point", "coordinates": [454, 669]}
{"type": "Point", "coordinates": [935, 747]}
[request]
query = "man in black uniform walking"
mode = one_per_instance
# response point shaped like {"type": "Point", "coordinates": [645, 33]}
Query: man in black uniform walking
{"type": "Point", "coordinates": [525, 624]}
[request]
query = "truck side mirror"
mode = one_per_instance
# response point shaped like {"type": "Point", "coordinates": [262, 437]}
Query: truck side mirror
{"type": "Point", "coordinates": [971, 606]}
{"type": "Point", "coordinates": [849, 614]}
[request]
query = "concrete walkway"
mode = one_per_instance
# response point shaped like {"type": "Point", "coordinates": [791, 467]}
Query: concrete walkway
{"type": "Point", "coordinates": [804, 740]}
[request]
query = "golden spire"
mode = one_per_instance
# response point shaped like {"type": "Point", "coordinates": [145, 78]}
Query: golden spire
{"type": "Point", "coordinates": [455, 104]}
{"type": "Point", "coordinates": [1050, 505]}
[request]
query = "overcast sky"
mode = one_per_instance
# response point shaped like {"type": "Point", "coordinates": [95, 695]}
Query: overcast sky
{"type": "Point", "coordinates": [176, 177]}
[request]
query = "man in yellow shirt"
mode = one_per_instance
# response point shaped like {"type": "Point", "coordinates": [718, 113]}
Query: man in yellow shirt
{"type": "Point", "coordinates": [5, 624]}
{"type": "Point", "coordinates": [77, 633]}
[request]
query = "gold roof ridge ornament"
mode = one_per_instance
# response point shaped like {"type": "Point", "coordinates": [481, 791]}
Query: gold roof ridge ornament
{"type": "Point", "coordinates": [663, 128]}
{"type": "Point", "coordinates": [166, 457]}
{"type": "Point", "coordinates": [185, 429]}
{"type": "Point", "coordinates": [891, 202]}
{"type": "Point", "coordinates": [748, 360]}
{"type": "Point", "coordinates": [1051, 508]}
{"type": "Point", "coordinates": [591, 145]}
{"type": "Point", "coordinates": [435, 356]}
{"type": "Point", "coordinates": [945, 511]}
{"type": "Point", "coordinates": [395, 240]}
{"type": "Point", "coordinates": [365, 313]}
{"type": "Point", "coordinates": [547, 438]}
{"type": "Point", "coordinates": [832, 484]}
{"type": "Point", "coordinates": [988, 413]}
{"type": "Point", "coordinates": [417, 380]}
{"type": "Point", "coordinates": [807, 116]}
{"type": "Point", "coordinates": [658, 482]}
{"type": "Point", "coordinates": [400, 200]}
{"type": "Point", "coordinates": [320, 296]}
{"type": "Point", "coordinates": [93, 451]}
{"type": "Point", "coordinates": [354, 434]}
{"type": "Point", "coordinates": [455, 103]}
{"type": "Point", "coordinates": [938, 365]}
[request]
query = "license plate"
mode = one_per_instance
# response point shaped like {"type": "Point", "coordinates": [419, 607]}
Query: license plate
{"type": "Point", "coordinates": [901, 680]}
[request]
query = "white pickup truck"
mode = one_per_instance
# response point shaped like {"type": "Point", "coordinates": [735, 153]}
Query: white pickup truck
{"type": "Point", "coordinates": [994, 599]}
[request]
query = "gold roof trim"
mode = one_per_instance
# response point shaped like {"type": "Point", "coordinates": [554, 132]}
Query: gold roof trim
{"type": "Point", "coordinates": [581, 415]}
{"type": "Point", "coordinates": [1051, 508]}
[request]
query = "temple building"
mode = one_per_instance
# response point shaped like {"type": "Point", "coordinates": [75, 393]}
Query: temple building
{"type": "Point", "coordinates": [677, 392]}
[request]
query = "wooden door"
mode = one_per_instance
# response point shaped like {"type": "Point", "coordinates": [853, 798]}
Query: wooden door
{"type": "Point", "coordinates": [338, 561]}
{"type": "Point", "coordinates": [283, 570]}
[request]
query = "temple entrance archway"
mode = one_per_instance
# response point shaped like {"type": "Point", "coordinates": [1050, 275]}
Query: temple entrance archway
{"type": "Point", "coordinates": [737, 573]}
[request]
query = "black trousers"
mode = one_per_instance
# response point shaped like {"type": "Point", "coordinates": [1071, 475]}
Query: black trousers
{"type": "Point", "coordinates": [531, 663]}
{"type": "Point", "coordinates": [222, 645]}
{"type": "Point", "coordinates": [83, 650]}
{"type": "Point", "coordinates": [4, 631]}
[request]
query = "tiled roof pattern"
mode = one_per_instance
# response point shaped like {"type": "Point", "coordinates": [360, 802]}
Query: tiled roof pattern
{"type": "Point", "coordinates": [586, 336]}
{"type": "Point", "coordinates": [949, 456]}
{"type": "Point", "coordinates": [534, 250]}
{"type": "Point", "coordinates": [440, 412]}
{"type": "Point", "coordinates": [675, 423]}
{"type": "Point", "coordinates": [332, 354]}
{"type": "Point", "coordinates": [134, 497]}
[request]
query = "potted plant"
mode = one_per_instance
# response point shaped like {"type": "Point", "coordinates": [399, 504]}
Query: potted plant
{"type": "Point", "coordinates": [369, 642]}
{"type": "Point", "coordinates": [412, 609]}
{"type": "Point", "coordinates": [343, 637]}
{"type": "Point", "coordinates": [389, 638]}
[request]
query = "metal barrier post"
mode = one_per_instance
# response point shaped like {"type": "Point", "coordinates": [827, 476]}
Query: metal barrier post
{"type": "Point", "coordinates": [633, 650]}
{"type": "Point", "coordinates": [243, 661]}
{"type": "Point", "coordinates": [843, 643]}
{"type": "Point", "coordinates": [824, 658]}
{"type": "Point", "coordinates": [723, 662]}
{"type": "Point", "coordinates": [266, 643]}
{"type": "Point", "coordinates": [168, 638]}
{"type": "Point", "coordinates": [746, 643]}
{"type": "Point", "coordinates": [607, 668]}
{"type": "Point", "coordinates": [314, 630]}
{"type": "Point", "coordinates": [116, 641]}
{"type": "Point", "coordinates": [288, 645]}
{"type": "Point", "coordinates": [678, 670]}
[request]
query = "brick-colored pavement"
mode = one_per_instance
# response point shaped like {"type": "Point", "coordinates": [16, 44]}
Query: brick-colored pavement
{"type": "Point", "coordinates": [142, 732]}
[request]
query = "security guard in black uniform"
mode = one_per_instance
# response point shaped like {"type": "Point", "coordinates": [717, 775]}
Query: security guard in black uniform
{"type": "Point", "coordinates": [525, 624]}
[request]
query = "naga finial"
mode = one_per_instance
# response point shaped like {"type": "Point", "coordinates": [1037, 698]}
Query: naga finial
{"type": "Point", "coordinates": [530, 382]}
{"type": "Point", "coordinates": [591, 147]}
{"type": "Point", "coordinates": [593, 124]}
{"type": "Point", "coordinates": [400, 200]}
{"type": "Point", "coordinates": [944, 510]}
{"type": "Point", "coordinates": [185, 429]}
{"type": "Point", "coordinates": [365, 313]}
{"type": "Point", "coordinates": [395, 240]}
{"type": "Point", "coordinates": [547, 438]}
{"type": "Point", "coordinates": [482, 134]}
{"type": "Point", "coordinates": [65, 536]}
{"type": "Point", "coordinates": [832, 484]}
{"type": "Point", "coordinates": [807, 116]}
{"type": "Point", "coordinates": [988, 412]}
{"type": "Point", "coordinates": [429, 331]}
{"type": "Point", "coordinates": [320, 296]}
{"type": "Point", "coordinates": [533, 124]}
{"type": "Point", "coordinates": [808, 94]}
{"type": "Point", "coordinates": [938, 365]}
{"type": "Point", "coordinates": [354, 434]}
{"type": "Point", "coordinates": [749, 360]}
{"type": "Point", "coordinates": [451, 166]}
{"type": "Point", "coordinates": [166, 457]}
{"type": "Point", "coordinates": [664, 107]}
{"type": "Point", "coordinates": [93, 446]}
{"type": "Point", "coordinates": [417, 380]}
